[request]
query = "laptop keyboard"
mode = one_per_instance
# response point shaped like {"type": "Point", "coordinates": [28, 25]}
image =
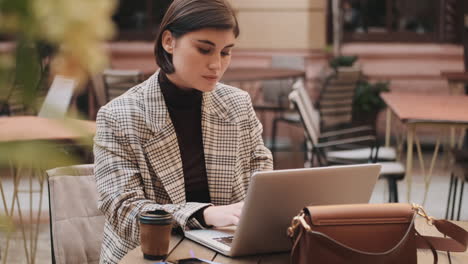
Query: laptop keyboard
{"type": "Point", "coordinates": [227, 240]}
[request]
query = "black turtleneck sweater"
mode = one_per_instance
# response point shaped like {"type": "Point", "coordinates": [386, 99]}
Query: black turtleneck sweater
{"type": "Point", "coordinates": [185, 112]}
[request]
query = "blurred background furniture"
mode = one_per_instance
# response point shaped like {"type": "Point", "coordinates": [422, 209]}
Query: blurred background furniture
{"type": "Point", "coordinates": [335, 102]}
{"type": "Point", "coordinates": [117, 82]}
{"type": "Point", "coordinates": [459, 173]}
{"type": "Point", "coordinates": [276, 92]}
{"type": "Point", "coordinates": [76, 224]}
{"type": "Point", "coordinates": [446, 112]}
{"type": "Point", "coordinates": [108, 85]}
{"type": "Point", "coordinates": [58, 98]}
{"type": "Point", "coordinates": [51, 103]}
{"type": "Point", "coordinates": [321, 153]}
{"type": "Point", "coordinates": [279, 79]}
{"type": "Point", "coordinates": [33, 129]}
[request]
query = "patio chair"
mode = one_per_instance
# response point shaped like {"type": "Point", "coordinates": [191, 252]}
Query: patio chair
{"type": "Point", "coordinates": [76, 224]}
{"type": "Point", "coordinates": [54, 102]}
{"type": "Point", "coordinates": [99, 89]}
{"type": "Point", "coordinates": [320, 153]}
{"type": "Point", "coordinates": [459, 173]}
{"type": "Point", "coordinates": [335, 102]}
{"type": "Point", "coordinates": [356, 150]}
{"type": "Point", "coordinates": [276, 92]}
{"type": "Point", "coordinates": [117, 82]}
{"type": "Point", "coordinates": [58, 98]}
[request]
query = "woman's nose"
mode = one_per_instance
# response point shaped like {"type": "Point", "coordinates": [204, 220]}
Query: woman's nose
{"type": "Point", "coordinates": [215, 62]}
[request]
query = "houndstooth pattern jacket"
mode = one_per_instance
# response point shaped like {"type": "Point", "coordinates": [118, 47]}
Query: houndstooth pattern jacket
{"type": "Point", "coordinates": [138, 165]}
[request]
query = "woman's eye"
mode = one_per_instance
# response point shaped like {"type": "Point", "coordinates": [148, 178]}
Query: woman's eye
{"type": "Point", "coordinates": [204, 51]}
{"type": "Point", "coordinates": [225, 53]}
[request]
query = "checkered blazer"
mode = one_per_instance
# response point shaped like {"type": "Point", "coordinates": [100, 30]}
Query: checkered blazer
{"type": "Point", "coordinates": [138, 166]}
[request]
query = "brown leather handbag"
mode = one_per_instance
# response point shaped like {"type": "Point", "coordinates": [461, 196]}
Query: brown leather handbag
{"type": "Point", "coordinates": [367, 233]}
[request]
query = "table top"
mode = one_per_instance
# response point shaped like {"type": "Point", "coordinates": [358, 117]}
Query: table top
{"type": "Point", "coordinates": [421, 108]}
{"type": "Point", "coordinates": [182, 248]}
{"type": "Point", "coordinates": [459, 76]}
{"type": "Point", "coordinates": [23, 128]}
{"type": "Point", "coordinates": [259, 74]}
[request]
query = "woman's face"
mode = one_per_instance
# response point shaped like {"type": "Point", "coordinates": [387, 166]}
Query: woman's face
{"type": "Point", "coordinates": [200, 58]}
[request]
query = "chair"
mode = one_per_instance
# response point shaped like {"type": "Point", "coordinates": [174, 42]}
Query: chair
{"type": "Point", "coordinates": [318, 152]}
{"type": "Point", "coordinates": [117, 82]}
{"type": "Point", "coordinates": [99, 89]}
{"type": "Point", "coordinates": [54, 102]}
{"type": "Point", "coordinates": [335, 102]}
{"type": "Point", "coordinates": [76, 224]}
{"type": "Point", "coordinates": [357, 152]}
{"type": "Point", "coordinates": [335, 106]}
{"type": "Point", "coordinates": [459, 173]}
{"type": "Point", "coordinates": [58, 98]}
{"type": "Point", "coordinates": [277, 93]}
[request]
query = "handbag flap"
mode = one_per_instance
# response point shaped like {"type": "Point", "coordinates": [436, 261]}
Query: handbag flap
{"type": "Point", "coordinates": [355, 214]}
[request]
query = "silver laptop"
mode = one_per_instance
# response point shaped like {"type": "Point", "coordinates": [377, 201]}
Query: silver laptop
{"type": "Point", "coordinates": [275, 197]}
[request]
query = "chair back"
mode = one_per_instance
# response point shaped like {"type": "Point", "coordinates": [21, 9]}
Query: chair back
{"type": "Point", "coordinates": [336, 98]}
{"type": "Point", "coordinates": [307, 117]}
{"type": "Point", "coordinates": [58, 98]}
{"type": "Point", "coordinates": [99, 88]}
{"type": "Point", "coordinates": [76, 223]}
{"type": "Point", "coordinates": [309, 111]}
{"type": "Point", "coordinates": [118, 82]}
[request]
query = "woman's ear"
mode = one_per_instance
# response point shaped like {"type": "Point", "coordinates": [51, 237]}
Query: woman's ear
{"type": "Point", "coordinates": [168, 41]}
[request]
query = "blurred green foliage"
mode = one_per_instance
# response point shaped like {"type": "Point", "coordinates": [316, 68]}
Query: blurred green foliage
{"type": "Point", "coordinates": [342, 61]}
{"type": "Point", "coordinates": [367, 96]}
{"type": "Point", "coordinates": [43, 34]}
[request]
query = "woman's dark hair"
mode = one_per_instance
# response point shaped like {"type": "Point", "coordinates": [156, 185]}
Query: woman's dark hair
{"type": "Point", "coordinates": [184, 16]}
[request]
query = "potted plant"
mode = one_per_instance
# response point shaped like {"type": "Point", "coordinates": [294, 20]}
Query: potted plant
{"type": "Point", "coordinates": [342, 61]}
{"type": "Point", "coordinates": [367, 102]}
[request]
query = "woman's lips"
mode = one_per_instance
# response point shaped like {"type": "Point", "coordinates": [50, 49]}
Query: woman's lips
{"type": "Point", "coordinates": [211, 77]}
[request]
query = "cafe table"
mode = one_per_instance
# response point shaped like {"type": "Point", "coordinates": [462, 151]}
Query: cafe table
{"type": "Point", "coordinates": [181, 247]}
{"type": "Point", "coordinates": [25, 129]}
{"type": "Point", "coordinates": [449, 113]}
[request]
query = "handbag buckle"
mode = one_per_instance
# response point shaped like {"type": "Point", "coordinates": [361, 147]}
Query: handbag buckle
{"type": "Point", "coordinates": [298, 220]}
{"type": "Point", "coordinates": [420, 211]}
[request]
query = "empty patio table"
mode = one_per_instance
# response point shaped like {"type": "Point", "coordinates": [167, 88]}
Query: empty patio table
{"type": "Point", "coordinates": [447, 112]}
{"type": "Point", "coordinates": [184, 248]}
{"type": "Point", "coordinates": [26, 129]}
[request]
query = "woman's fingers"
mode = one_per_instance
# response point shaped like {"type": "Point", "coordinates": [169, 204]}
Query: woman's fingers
{"type": "Point", "coordinates": [234, 220]}
{"type": "Point", "coordinates": [223, 215]}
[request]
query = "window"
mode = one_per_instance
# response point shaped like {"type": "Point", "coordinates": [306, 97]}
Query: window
{"type": "Point", "coordinates": [391, 20]}
{"type": "Point", "coordinates": [139, 20]}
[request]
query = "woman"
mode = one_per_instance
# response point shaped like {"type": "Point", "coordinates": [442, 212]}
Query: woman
{"type": "Point", "coordinates": [180, 141]}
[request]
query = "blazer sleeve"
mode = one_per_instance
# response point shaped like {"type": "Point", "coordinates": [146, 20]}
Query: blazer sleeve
{"type": "Point", "coordinates": [120, 184]}
{"type": "Point", "coordinates": [261, 158]}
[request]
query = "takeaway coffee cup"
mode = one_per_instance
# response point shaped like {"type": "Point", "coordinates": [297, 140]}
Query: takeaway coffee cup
{"type": "Point", "coordinates": [155, 234]}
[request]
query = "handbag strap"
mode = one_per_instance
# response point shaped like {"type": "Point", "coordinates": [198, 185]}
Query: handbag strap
{"type": "Point", "coordinates": [457, 241]}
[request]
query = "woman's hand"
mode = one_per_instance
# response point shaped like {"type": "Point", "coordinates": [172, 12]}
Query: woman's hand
{"type": "Point", "coordinates": [224, 215]}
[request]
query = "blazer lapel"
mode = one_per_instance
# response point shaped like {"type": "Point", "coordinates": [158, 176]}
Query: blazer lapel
{"type": "Point", "coordinates": [220, 147]}
{"type": "Point", "coordinates": [162, 149]}
{"type": "Point", "coordinates": [219, 141]}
